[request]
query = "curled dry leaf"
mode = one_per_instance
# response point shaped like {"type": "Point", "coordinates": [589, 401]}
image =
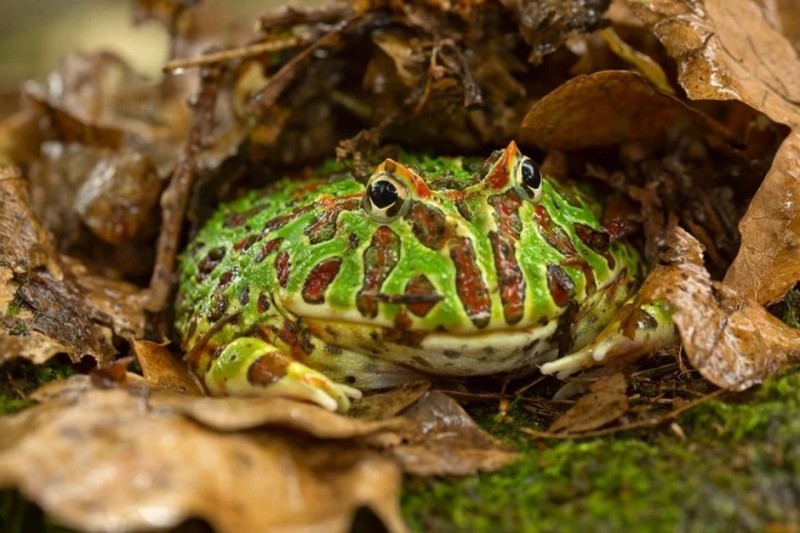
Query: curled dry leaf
{"type": "Point", "coordinates": [605, 108]}
{"type": "Point", "coordinates": [162, 370]}
{"type": "Point", "coordinates": [385, 404]}
{"type": "Point", "coordinates": [243, 413]}
{"type": "Point", "coordinates": [768, 263]}
{"type": "Point", "coordinates": [729, 49]}
{"type": "Point", "coordinates": [442, 439]}
{"type": "Point", "coordinates": [605, 403]}
{"type": "Point", "coordinates": [117, 459]}
{"type": "Point", "coordinates": [733, 341]}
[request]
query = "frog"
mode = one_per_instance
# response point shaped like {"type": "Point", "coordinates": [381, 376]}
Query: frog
{"type": "Point", "coordinates": [325, 288]}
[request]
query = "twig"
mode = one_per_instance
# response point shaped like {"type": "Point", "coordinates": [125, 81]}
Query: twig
{"type": "Point", "coordinates": [250, 50]}
{"type": "Point", "coordinates": [647, 423]}
{"type": "Point", "coordinates": [175, 198]}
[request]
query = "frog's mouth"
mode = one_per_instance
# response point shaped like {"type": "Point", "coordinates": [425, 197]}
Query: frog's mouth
{"type": "Point", "coordinates": [439, 351]}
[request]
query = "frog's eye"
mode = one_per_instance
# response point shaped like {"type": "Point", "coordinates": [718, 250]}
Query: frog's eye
{"type": "Point", "coordinates": [386, 198]}
{"type": "Point", "coordinates": [528, 179]}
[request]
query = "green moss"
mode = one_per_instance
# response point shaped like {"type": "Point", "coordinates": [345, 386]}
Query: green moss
{"type": "Point", "coordinates": [737, 469]}
{"type": "Point", "coordinates": [14, 307]}
{"type": "Point", "coordinates": [789, 309]}
{"type": "Point", "coordinates": [18, 515]}
{"type": "Point", "coordinates": [18, 378]}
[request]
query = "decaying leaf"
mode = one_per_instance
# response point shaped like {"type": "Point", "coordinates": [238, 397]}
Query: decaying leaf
{"type": "Point", "coordinates": [389, 403]}
{"type": "Point", "coordinates": [444, 440]}
{"type": "Point", "coordinates": [728, 49]}
{"type": "Point", "coordinates": [769, 259]}
{"type": "Point", "coordinates": [162, 370]}
{"type": "Point", "coordinates": [605, 403]}
{"type": "Point", "coordinates": [44, 311]}
{"type": "Point", "coordinates": [733, 341]}
{"type": "Point", "coordinates": [607, 108]}
{"type": "Point", "coordinates": [126, 457]}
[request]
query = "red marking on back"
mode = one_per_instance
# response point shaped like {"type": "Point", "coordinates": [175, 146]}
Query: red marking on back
{"type": "Point", "coordinates": [429, 225]}
{"type": "Point", "coordinates": [282, 268]}
{"type": "Point", "coordinates": [470, 284]}
{"type": "Point", "coordinates": [420, 286]}
{"type": "Point", "coordinates": [268, 249]}
{"type": "Point", "coordinates": [509, 277]}
{"type": "Point", "coordinates": [555, 235]}
{"type": "Point", "coordinates": [245, 243]}
{"type": "Point", "coordinates": [319, 278]}
{"type": "Point", "coordinates": [380, 257]}
{"type": "Point", "coordinates": [507, 205]}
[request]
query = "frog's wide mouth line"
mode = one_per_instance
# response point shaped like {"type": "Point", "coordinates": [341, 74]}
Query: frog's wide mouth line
{"type": "Point", "coordinates": [488, 351]}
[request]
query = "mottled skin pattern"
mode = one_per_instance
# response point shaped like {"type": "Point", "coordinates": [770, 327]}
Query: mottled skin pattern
{"type": "Point", "coordinates": [319, 286]}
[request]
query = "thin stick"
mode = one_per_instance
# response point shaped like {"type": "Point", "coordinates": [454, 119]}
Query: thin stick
{"type": "Point", "coordinates": [234, 53]}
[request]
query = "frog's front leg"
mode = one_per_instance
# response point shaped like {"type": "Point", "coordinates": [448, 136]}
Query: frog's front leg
{"type": "Point", "coordinates": [251, 366]}
{"type": "Point", "coordinates": [635, 330]}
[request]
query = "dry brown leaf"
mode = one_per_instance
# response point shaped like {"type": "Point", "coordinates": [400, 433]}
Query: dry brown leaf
{"type": "Point", "coordinates": [385, 404]}
{"type": "Point", "coordinates": [442, 439]}
{"type": "Point", "coordinates": [605, 108]}
{"type": "Point", "coordinates": [129, 459]}
{"type": "Point", "coordinates": [732, 341]}
{"type": "Point", "coordinates": [605, 402]}
{"type": "Point", "coordinates": [768, 263]}
{"type": "Point", "coordinates": [24, 242]}
{"type": "Point", "coordinates": [43, 311]}
{"type": "Point", "coordinates": [113, 454]}
{"type": "Point", "coordinates": [243, 413]}
{"type": "Point", "coordinates": [162, 370]}
{"type": "Point", "coordinates": [730, 49]}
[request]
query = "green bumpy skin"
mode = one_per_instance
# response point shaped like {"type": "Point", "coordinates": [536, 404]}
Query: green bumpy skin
{"type": "Point", "coordinates": [319, 289]}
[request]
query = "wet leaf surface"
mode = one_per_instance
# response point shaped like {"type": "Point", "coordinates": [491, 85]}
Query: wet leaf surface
{"type": "Point", "coordinates": [768, 263]}
{"type": "Point", "coordinates": [733, 342]}
{"type": "Point", "coordinates": [444, 440]}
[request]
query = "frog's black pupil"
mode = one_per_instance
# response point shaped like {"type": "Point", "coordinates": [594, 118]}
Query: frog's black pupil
{"type": "Point", "coordinates": [383, 194]}
{"type": "Point", "coordinates": [531, 177]}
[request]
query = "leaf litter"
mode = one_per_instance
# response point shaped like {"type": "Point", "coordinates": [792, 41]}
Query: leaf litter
{"type": "Point", "coordinates": [101, 172]}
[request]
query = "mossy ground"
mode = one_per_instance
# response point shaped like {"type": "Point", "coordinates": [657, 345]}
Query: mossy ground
{"type": "Point", "coordinates": [18, 378]}
{"type": "Point", "coordinates": [736, 468]}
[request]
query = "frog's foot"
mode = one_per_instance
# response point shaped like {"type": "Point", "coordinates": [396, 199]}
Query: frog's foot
{"type": "Point", "coordinates": [250, 366]}
{"type": "Point", "coordinates": [634, 331]}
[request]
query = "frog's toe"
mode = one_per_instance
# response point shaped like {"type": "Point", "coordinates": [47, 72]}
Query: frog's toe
{"type": "Point", "coordinates": [635, 331]}
{"type": "Point", "coordinates": [249, 366]}
{"type": "Point", "coordinates": [307, 383]}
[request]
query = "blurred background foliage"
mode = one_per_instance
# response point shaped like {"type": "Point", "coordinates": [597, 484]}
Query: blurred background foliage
{"type": "Point", "coordinates": [35, 34]}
